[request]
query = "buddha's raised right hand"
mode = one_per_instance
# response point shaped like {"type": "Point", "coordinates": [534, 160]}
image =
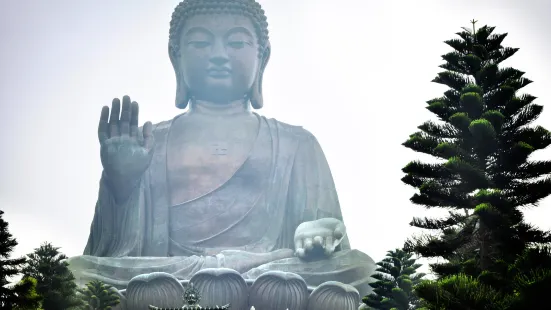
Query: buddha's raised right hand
{"type": "Point", "coordinates": [125, 151]}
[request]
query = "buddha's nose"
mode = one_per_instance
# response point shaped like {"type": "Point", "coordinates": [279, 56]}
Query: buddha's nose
{"type": "Point", "coordinates": [219, 55]}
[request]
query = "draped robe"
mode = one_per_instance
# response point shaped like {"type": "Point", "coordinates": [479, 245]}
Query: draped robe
{"type": "Point", "coordinates": [246, 224]}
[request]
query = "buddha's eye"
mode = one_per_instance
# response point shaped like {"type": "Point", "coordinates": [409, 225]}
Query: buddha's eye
{"type": "Point", "coordinates": [237, 44]}
{"type": "Point", "coordinates": [198, 44]}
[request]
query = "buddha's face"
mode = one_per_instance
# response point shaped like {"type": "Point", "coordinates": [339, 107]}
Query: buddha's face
{"type": "Point", "coordinates": [219, 56]}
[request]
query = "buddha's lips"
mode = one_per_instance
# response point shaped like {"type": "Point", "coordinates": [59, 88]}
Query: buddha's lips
{"type": "Point", "coordinates": [218, 69]}
{"type": "Point", "coordinates": [219, 72]}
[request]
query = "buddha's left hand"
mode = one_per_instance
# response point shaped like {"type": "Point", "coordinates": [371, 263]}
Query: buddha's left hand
{"type": "Point", "coordinates": [324, 234]}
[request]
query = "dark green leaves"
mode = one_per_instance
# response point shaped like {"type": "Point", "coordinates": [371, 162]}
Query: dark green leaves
{"type": "Point", "coordinates": [471, 103]}
{"type": "Point", "coordinates": [421, 143]}
{"type": "Point", "coordinates": [394, 282]}
{"type": "Point", "coordinates": [495, 118]}
{"type": "Point", "coordinates": [499, 55]}
{"type": "Point", "coordinates": [514, 104]}
{"type": "Point", "coordinates": [443, 131]}
{"type": "Point", "coordinates": [99, 296]}
{"type": "Point", "coordinates": [459, 45]}
{"type": "Point", "coordinates": [482, 130]}
{"type": "Point", "coordinates": [440, 108]}
{"type": "Point", "coordinates": [484, 135]}
{"type": "Point", "coordinates": [460, 120]}
{"type": "Point", "coordinates": [451, 79]}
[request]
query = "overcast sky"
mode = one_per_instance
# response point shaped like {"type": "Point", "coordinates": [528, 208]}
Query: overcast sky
{"type": "Point", "coordinates": [356, 73]}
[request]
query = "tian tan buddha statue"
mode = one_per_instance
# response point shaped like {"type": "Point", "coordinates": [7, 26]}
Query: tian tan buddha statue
{"type": "Point", "coordinates": [218, 186]}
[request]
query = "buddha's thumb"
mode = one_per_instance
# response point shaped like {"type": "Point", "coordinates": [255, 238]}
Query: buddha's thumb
{"type": "Point", "coordinates": [339, 232]}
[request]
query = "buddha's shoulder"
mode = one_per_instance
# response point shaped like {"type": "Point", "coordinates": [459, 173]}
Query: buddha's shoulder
{"type": "Point", "coordinates": [288, 131]}
{"type": "Point", "coordinates": [161, 129]}
{"type": "Point", "coordinates": [284, 130]}
{"type": "Point", "coordinates": [164, 125]}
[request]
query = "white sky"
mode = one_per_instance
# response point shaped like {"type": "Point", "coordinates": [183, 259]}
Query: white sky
{"type": "Point", "coordinates": [356, 73]}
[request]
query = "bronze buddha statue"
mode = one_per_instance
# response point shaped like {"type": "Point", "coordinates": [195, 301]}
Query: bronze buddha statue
{"type": "Point", "coordinates": [218, 186]}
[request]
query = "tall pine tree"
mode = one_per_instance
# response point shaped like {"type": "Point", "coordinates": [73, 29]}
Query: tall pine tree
{"type": "Point", "coordinates": [483, 141]}
{"type": "Point", "coordinates": [395, 278]}
{"type": "Point", "coordinates": [55, 282]}
{"type": "Point", "coordinates": [19, 295]}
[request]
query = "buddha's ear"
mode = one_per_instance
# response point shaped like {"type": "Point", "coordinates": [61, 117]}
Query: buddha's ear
{"type": "Point", "coordinates": [257, 101]}
{"type": "Point", "coordinates": [182, 94]}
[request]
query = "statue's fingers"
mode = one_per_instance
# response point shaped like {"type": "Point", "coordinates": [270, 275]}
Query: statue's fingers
{"type": "Point", "coordinates": [148, 135]}
{"type": "Point", "coordinates": [103, 127]}
{"type": "Point", "coordinates": [328, 245]}
{"type": "Point", "coordinates": [336, 243]}
{"type": "Point", "coordinates": [114, 119]}
{"type": "Point", "coordinates": [134, 114]}
{"type": "Point", "coordinates": [318, 241]}
{"type": "Point", "coordinates": [339, 231]}
{"type": "Point", "coordinates": [124, 123]}
{"type": "Point", "coordinates": [299, 250]}
{"type": "Point", "coordinates": [298, 244]}
{"type": "Point", "coordinates": [308, 244]}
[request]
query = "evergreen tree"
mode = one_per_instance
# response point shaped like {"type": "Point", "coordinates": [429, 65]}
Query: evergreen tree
{"type": "Point", "coordinates": [483, 177]}
{"type": "Point", "coordinates": [17, 295]}
{"type": "Point", "coordinates": [55, 282]}
{"type": "Point", "coordinates": [99, 296]}
{"type": "Point", "coordinates": [531, 274]}
{"type": "Point", "coordinates": [30, 300]}
{"type": "Point", "coordinates": [396, 277]}
{"type": "Point", "coordinates": [530, 277]}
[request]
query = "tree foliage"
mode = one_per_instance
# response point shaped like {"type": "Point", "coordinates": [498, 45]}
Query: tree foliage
{"type": "Point", "coordinates": [529, 276]}
{"type": "Point", "coordinates": [30, 299]}
{"type": "Point", "coordinates": [395, 278]}
{"type": "Point", "coordinates": [483, 176]}
{"type": "Point", "coordinates": [98, 296]}
{"type": "Point", "coordinates": [21, 295]}
{"type": "Point", "coordinates": [55, 282]}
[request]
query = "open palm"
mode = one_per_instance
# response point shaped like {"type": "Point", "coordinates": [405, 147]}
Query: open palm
{"type": "Point", "coordinates": [125, 150]}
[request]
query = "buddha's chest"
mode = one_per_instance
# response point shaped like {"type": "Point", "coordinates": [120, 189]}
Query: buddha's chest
{"type": "Point", "coordinates": [200, 158]}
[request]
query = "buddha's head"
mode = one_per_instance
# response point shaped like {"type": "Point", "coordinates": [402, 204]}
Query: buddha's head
{"type": "Point", "coordinates": [219, 50]}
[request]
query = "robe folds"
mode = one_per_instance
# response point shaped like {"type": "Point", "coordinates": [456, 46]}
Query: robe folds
{"type": "Point", "coordinates": [246, 224]}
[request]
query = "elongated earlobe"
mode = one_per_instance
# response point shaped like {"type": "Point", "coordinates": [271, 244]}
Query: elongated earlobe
{"type": "Point", "coordinates": [182, 93]}
{"type": "Point", "coordinates": [257, 100]}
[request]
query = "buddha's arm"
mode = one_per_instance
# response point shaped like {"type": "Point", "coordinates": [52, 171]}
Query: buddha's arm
{"type": "Point", "coordinates": [312, 194]}
{"type": "Point", "coordinates": [116, 227]}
